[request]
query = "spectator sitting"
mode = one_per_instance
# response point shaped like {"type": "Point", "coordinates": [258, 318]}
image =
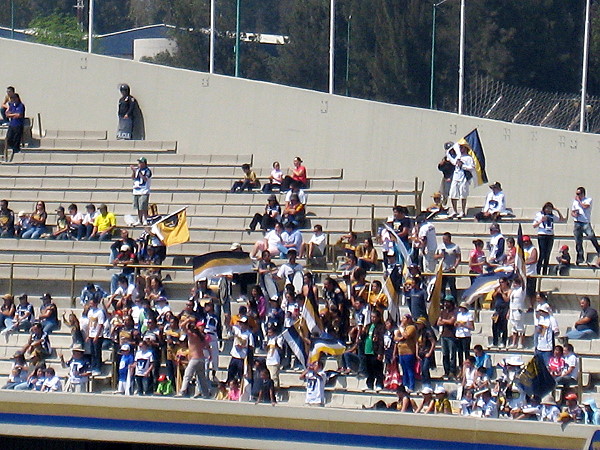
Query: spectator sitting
{"type": "Point", "coordinates": [367, 255]}
{"type": "Point", "coordinates": [52, 383]}
{"type": "Point", "coordinates": [291, 238]}
{"type": "Point", "coordinates": [495, 247]}
{"type": "Point", "coordinates": [587, 325]}
{"type": "Point", "coordinates": [62, 225]}
{"type": "Point", "coordinates": [275, 179]}
{"type": "Point", "coordinates": [348, 243]}
{"type": "Point", "coordinates": [104, 225]}
{"type": "Point", "coordinates": [442, 404]}
{"type": "Point", "coordinates": [556, 364]}
{"type": "Point", "coordinates": [150, 256]}
{"type": "Point", "coordinates": [270, 242]}
{"type": "Point", "coordinates": [37, 222]}
{"type": "Point", "coordinates": [437, 207]}
{"type": "Point", "coordinates": [271, 216]}
{"type": "Point", "coordinates": [564, 262]}
{"type": "Point", "coordinates": [569, 375]}
{"type": "Point", "coordinates": [249, 182]}
{"type": "Point", "coordinates": [75, 220]}
{"type": "Point", "coordinates": [315, 248]}
{"type": "Point", "coordinates": [23, 223]}
{"type": "Point", "coordinates": [88, 220]}
{"type": "Point", "coordinates": [90, 291]}
{"type": "Point", "coordinates": [38, 345]}
{"type": "Point", "coordinates": [482, 359]}
{"type": "Point", "coordinates": [495, 205]}
{"type": "Point", "coordinates": [124, 239]}
{"type": "Point", "coordinates": [294, 211]}
{"type": "Point", "coordinates": [23, 318]}
{"type": "Point", "coordinates": [298, 174]}
{"type": "Point", "coordinates": [7, 220]}
{"type": "Point", "coordinates": [295, 189]}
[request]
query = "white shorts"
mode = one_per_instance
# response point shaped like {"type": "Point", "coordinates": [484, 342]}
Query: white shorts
{"type": "Point", "coordinates": [517, 324]}
{"type": "Point", "coordinates": [459, 189]}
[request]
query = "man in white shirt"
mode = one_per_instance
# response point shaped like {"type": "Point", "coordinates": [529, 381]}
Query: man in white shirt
{"type": "Point", "coordinates": [581, 210]}
{"type": "Point", "coordinates": [427, 243]}
{"type": "Point", "coordinates": [449, 253]}
{"type": "Point", "coordinates": [316, 246]}
{"type": "Point", "coordinates": [315, 379]}
{"type": "Point", "coordinates": [495, 204]}
{"type": "Point", "coordinates": [243, 341]}
{"type": "Point", "coordinates": [571, 371]}
{"type": "Point", "coordinates": [288, 270]}
{"type": "Point", "coordinates": [141, 176]}
{"type": "Point", "coordinates": [496, 246]}
{"type": "Point", "coordinates": [461, 179]}
{"type": "Point", "coordinates": [291, 238]}
{"type": "Point", "coordinates": [546, 329]}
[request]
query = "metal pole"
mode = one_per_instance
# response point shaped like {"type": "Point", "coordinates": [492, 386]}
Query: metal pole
{"type": "Point", "coordinates": [461, 64]}
{"type": "Point", "coordinates": [348, 56]}
{"type": "Point", "coordinates": [584, 69]}
{"type": "Point", "coordinates": [91, 26]}
{"type": "Point", "coordinates": [331, 44]}
{"type": "Point", "coordinates": [211, 63]}
{"type": "Point", "coordinates": [12, 19]}
{"type": "Point", "coordinates": [432, 76]}
{"type": "Point", "coordinates": [237, 39]}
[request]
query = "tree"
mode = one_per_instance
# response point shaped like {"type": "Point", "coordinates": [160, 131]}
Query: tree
{"type": "Point", "coordinates": [58, 30]}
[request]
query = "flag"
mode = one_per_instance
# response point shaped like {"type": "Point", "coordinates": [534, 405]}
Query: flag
{"type": "Point", "coordinates": [399, 247]}
{"type": "Point", "coordinates": [329, 346]}
{"type": "Point", "coordinates": [473, 143]}
{"type": "Point", "coordinates": [293, 337]}
{"type": "Point", "coordinates": [391, 288]}
{"type": "Point", "coordinates": [484, 284]}
{"type": "Point", "coordinates": [221, 263]}
{"type": "Point", "coordinates": [311, 318]}
{"type": "Point", "coordinates": [535, 378]}
{"type": "Point", "coordinates": [435, 298]}
{"type": "Point", "coordinates": [520, 256]}
{"type": "Point", "coordinates": [173, 229]}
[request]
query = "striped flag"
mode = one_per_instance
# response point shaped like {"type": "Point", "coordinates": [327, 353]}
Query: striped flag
{"type": "Point", "coordinates": [173, 229]}
{"type": "Point", "coordinates": [484, 284]}
{"type": "Point", "coordinates": [520, 256]}
{"type": "Point", "coordinates": [311, 318]}
{"type": "Point", "coordinates": [473, 143]}
{"type": "Point", "coordinates": [221, 263]}
{"type": "Point", "coordinates": [535, 379]}
{"type": "Point", "coordinates": [391, 288]}
{"type": "Point", "coordinates": [329, 346]}
{"type": "Point", "coordinates": [435, 298]}
{"type": "Point", "coordinates": [293, 337]}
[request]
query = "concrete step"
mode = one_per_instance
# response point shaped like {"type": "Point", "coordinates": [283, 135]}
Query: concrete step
{"type": "Point", "coordinates": [76, 134]}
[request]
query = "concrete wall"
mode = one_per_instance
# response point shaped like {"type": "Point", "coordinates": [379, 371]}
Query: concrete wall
{"type": "Point", "coordinates": [218, 114]}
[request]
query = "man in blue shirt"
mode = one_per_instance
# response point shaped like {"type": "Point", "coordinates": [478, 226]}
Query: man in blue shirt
{"type": "Point", "coordinates": [16, 117]}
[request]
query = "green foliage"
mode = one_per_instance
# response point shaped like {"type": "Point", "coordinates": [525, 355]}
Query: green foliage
{"type": "Point", "coordinates": [58, 30]}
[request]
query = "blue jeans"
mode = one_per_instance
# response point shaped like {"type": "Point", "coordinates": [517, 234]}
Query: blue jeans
{"type": "Point", "coordinates": [583, 334]}
{"type": "Point", "coordinates": [425, 368]}
{"type": "Point", "coordinates": [449, 350]}
{"type": "Point", "coordinates": [34, 233]}
{"type": "Point", "coordinates": [407, 362]}
{"type": "Point", "coordinates": [579, 229]}
{"type": "Point", "coordinates": [49, 326]}
{"type": "Point", "coordinates": [546, 355]}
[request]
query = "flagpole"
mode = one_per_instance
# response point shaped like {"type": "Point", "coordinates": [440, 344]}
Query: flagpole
{"type": "Point", "coordinates": [461, 63]}
{"type": "Point", "coordinates": [211, 63]}
{"type": "Point", "coordinates": [584, 69]}
{"type": "Point", "coordinates": [331, 44]}
{"type": "Point", "coordinates": [91, 26]}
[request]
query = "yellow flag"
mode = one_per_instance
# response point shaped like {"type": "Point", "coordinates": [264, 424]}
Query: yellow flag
{"type": "Point", "coordinates": [173, 229]}
{"type": "Point", "coordinates": [436, 296]}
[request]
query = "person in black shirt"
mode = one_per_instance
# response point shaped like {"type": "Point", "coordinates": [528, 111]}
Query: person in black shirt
{"type": "Point", "coordinates": [587, 325]}
{"type": "Point", "coordinates": [7, 220]}
{"type": "Point", "coordinates": [125, 113]}
{"type": "Point", "coordinates": [447, 169]}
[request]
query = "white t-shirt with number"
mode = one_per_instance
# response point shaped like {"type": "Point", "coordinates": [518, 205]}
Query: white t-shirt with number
{"type": "Point", "coordinates": [143, 361]}
{"type": "Point", "coordinates": [315, 387]}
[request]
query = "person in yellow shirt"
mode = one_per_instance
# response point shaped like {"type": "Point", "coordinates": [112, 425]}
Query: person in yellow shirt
{"type": "Point", "coordinates": [104, 225]}
{"type": "Point", "coordinates": [377, 299]}
{"type": "Point", "coordinates": [249, 182]}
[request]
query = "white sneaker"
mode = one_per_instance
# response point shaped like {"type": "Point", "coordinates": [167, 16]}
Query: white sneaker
{"type": "Point", "coordinates": [500, 345]}
{"type": "Point", "coordinates": [378, 389]}
{"type": "Point", "coordinates": [452, 216]}
{"type": "Point", "coordinates": [461, 215]}
{"type": "Point", "coordinates": [520, 347]}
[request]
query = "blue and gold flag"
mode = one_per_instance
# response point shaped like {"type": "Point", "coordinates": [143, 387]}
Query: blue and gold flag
{"type": "Point", "coordinates": [535, 379]}
{"type": "Point", "coordinates": [473, 143]}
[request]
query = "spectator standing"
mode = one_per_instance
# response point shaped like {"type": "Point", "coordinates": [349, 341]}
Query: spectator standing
{"type": "Point", "coordinates": [144, 363]}
{"type": "Point", "coordinates": [416, 297]}
{"type": "Point", "coordinates": [464, 326]}
{"type": "Point", "coordinates": [198, 346]}
{"type": "Point", "coordinates": [501, 305]}
{"type": "Point", "coordinates": [461, 179]}
{"type": "Point", "coordinates": [142, 177]}
{"type": "Point", "coordinates": [496, 246]}
{"type": "Point", "coordinates": [426, 243]}
{"type": "Point", "coordinates": [7, 220]}
{"type": "Point", "coordinates": [546, 329]}
{"type": "Point", "coordinates": [125, 113]}
{"type": "Point", "coordinates": [516, 313]}
{"type": "Point", "coordinates": [544, 222]}
{"type": "Point", "coordinates": [476, 259]}
{"type": "Point", "coordinates": [425, 349]}
{"type": "Point", "coordinates": [447, 169]}
{"type": "Point", "coordinates": [373, 351]}
{"type": "Point", "coordinates": [581, 211]}
{"type": "Point", "coordinates": [16, 119]}
{"type": "Point", "coordinates": [5, 104]}
{"type": "Point", "coordinates": [447, 321]}
{"type": "Point", "coordinates": [315, 378]}
{"type": "Point", "coordinates": [586, 327]}
{"type": "Point", "coordinates": [450, 255]}
{"type": "Point", "coordinates": [531, 261]}
{"type": "Point", "coordinates": [96, 319]}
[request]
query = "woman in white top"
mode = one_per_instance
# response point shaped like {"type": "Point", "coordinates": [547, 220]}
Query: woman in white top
{"type": "Point", "coordinates": [516, 313]}
{"type": "Point", "coordinates": [463, 328]}
{"type": "Point", "coordinates": [275, 179]}
{"type": "Point", "coordinates": [544, 222]}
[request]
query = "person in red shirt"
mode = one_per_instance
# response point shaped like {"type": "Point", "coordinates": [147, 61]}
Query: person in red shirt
{"type": "Point", "coordinates": [298, 174]}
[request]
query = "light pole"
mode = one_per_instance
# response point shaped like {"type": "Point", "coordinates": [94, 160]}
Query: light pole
{"type": "Point", "coordinates": [12, 19]}
{"type": "Point", "coordinates": [461, 74]}
{"type": "Point", "coordinates": [211, 62]}
{"type": "Point", "coordinates": [331, 44]}
{"type": "Point", "coordinates": [91, 26]}
{"type": "Point", "coordinates": [348, 56]}
{"type": "Point", "coordinates": [237, 39]}
{"type": "Point", "coordinates": [584, 69]}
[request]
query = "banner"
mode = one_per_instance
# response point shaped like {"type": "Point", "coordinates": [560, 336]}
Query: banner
{"type": "Point", "coordinates": [221, 263]}
{"type": "Point", "coordinates": [473, 143]}
{"type": "Point", "coordinates": [173, 229]}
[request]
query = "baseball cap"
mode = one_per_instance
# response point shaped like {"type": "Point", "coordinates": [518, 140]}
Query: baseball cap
{"type": "Point", "coordinates": [496, 185]}
{"type": "Point", "coordinates": [142, 160]}
{"type": "Point", "coordinates": [124, 247]}
{"type": "Point", "coordinates": [7, 297]}
{"type": "Point", "coordinates": [23, 296]}
{"type": "Point", "coordinates": [526, 238]}
{"type": "Point", "coordinates": [440, 390]}
{"type": "Point", "coordinates": [571, 396]}
{"type": "Point", "coordinates": [77, 348]}
{"type": "Point", "coordinates": [162, 377]}
{"type": "Point", "coordinates": [426, 390]}
{"type": "Point", "coordinates": [235, 246]}
{"type": "Point", "coordinates": [46, 296]}
{"type": "Point", "coordinates": [564, 247]}
{"type": "Point", "coordinates": [125, 348]}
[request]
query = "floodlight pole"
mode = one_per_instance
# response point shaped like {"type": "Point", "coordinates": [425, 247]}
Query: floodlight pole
{"type": "Point", "coordinates": [91, 26]}
{"type": "Point", "coordinates": [12, 19]}
{"type": "Point", "coordinates": [237, 39]}
{"type": "Point", "coordinates": [584, 69]}
{"type": "Point", "coordinates": [331, 44]}
{"type": "Point", "coordinates": [461, 63]}
{"type": "Point", "coordinates": [211, 62]}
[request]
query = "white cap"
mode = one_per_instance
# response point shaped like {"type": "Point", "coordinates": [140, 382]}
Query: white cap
{"type": "Point", "coordinates": [426, 390]}
{"type": "Point", "coordinates": [440, 390]}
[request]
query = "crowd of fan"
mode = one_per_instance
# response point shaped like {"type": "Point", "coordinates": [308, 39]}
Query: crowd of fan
{"type": "Point", "coordinates": [134, 320]}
